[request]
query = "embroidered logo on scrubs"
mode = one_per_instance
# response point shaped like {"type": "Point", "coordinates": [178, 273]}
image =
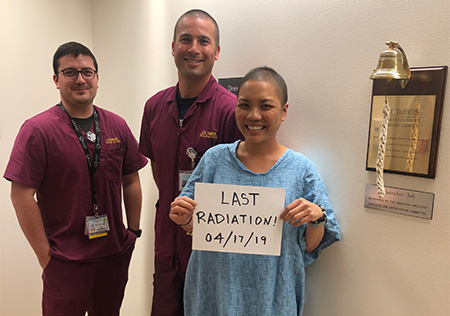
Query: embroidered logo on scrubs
{"type": "Point", "coordinates": [114, 140]}
{"type": "Point", "coordinates": [206, 134]}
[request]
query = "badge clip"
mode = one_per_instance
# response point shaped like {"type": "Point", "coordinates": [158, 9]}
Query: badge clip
{"type": "Point", "coordinates": [192, 154]}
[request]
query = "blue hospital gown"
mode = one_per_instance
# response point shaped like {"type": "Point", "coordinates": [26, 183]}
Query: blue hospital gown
{"type": "Point", "coordinates": [232, 284]}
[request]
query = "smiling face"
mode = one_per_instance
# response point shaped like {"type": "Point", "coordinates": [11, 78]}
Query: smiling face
{"type": "Point", "coordinates": [194, 48]}
{"type": "Point", "coordinates": [77, 95]}
{"type": "Point", "coordinates": [259, 112]}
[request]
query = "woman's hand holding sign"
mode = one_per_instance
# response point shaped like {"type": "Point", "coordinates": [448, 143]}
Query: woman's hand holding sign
{"type": "Point", "coordinates": [182, 211]}
{"type": "Point", "coordinates": [302, 211]}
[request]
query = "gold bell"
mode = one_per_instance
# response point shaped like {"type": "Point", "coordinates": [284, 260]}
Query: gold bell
{"type": "Point", "coordinates": [393, 64]}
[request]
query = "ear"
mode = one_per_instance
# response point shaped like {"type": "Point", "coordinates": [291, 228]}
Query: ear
{"type": "Point", "coordinates": [55, 80]}
{"type": "Point", "coordinates": [217, 52]}
{"type": "Point", "coordinates": [173, 48]}
{"type": "Point", "coordinates": [284, 112]}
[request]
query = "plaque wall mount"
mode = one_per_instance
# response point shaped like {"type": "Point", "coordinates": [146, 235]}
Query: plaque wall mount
{"type": "Point", "coordinates": [415, 123]}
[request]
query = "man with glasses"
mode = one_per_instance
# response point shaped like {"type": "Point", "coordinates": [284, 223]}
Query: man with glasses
{"type": "Point", "coordinates": [179, 124]}
{"type": "Point", "coordinates": [68, 169]}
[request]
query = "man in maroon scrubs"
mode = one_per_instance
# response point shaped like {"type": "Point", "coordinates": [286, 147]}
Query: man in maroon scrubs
{"type": "Point", "coordinates": [68, 168]}
{"type": "Point", "coordinates": [179, 124]}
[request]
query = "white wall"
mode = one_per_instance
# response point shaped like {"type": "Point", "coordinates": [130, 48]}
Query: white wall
{"type": "Point", "coordinates": [386, 264]}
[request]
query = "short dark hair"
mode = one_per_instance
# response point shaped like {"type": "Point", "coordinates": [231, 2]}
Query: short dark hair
{"type": "Point", "coordinates": [73, 49]}
{"type": "Point", "coordinates": [267, 74]}
{"type": "Point", "coordinates": [201, 15]}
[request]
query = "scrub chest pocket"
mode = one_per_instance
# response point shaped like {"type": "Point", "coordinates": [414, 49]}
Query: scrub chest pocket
{"type": "Point", "coordinates": [112, 158]}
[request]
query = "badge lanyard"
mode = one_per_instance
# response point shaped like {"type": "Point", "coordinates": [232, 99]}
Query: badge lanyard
{"type": "Point", "coordinates": [92, 166]}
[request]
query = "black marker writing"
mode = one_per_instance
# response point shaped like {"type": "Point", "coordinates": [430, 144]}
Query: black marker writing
{"type": "Point", "coordinates": [218, 218]}
{"type": "Point", "coordinates": [240, 199]}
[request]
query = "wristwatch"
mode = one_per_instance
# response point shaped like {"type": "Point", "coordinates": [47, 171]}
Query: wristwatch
{"type": "Point", "coordinates": [319, 222]}
{"type": "Point", "coordinates": [138, 232]}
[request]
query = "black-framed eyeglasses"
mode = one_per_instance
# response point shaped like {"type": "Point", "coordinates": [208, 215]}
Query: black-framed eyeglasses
{"type": "Point", "coordinates": [72, 73]}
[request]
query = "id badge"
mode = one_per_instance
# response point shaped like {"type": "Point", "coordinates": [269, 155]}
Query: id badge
{"type": "Point", "coordinates": [97, 226]}
{"type": "Point", "coordinates": [183, 177]}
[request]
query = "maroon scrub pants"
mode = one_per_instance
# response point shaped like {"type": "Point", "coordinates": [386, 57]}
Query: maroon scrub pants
{"type": "Point", "coordinates": [71, 288]}
{"type": "Point", "coordinates": [168, 286]}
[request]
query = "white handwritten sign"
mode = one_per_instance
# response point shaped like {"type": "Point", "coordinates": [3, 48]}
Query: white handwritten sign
{"type": "Point", "coordinates": [235, 218]}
